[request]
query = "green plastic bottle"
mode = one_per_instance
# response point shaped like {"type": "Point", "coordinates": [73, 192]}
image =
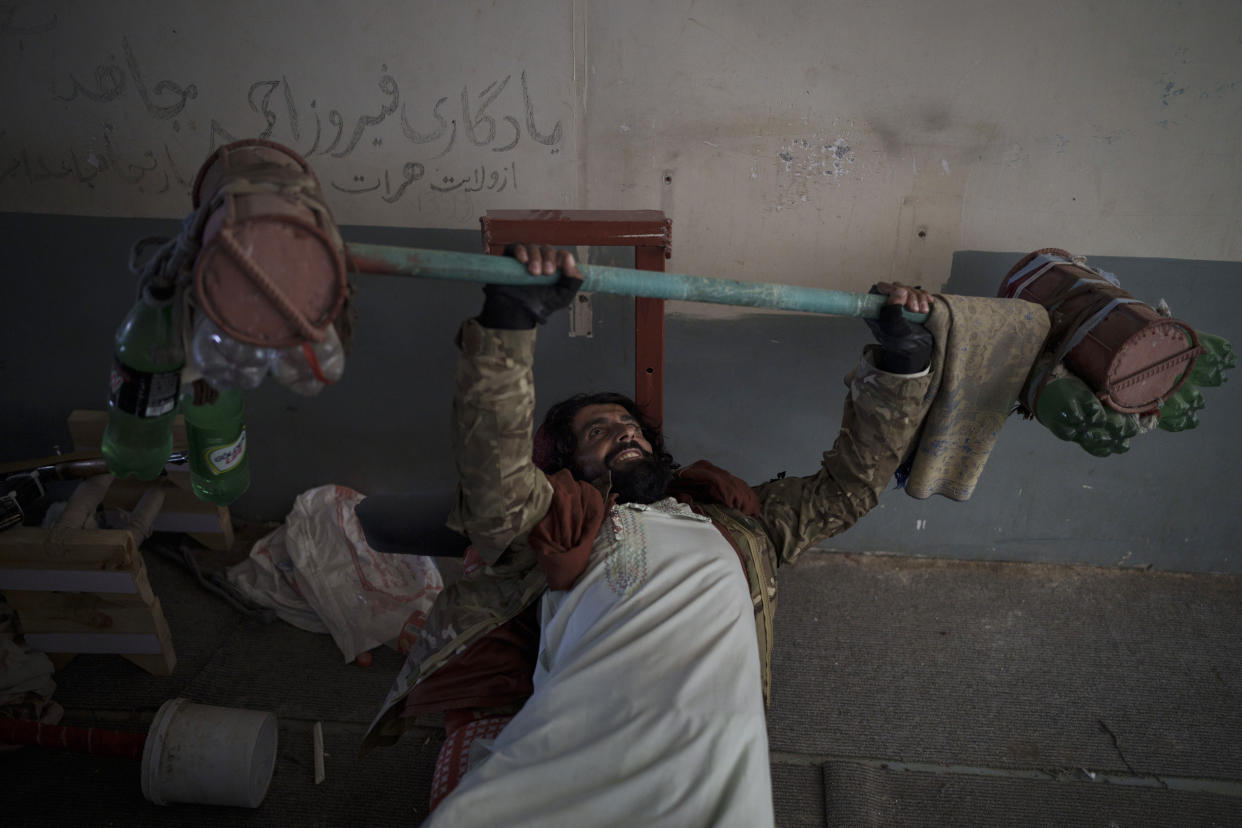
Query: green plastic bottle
{"type": "Point", "coordinates": [145, 381]}
{"type": "Point", "coordinates": [1181, 411]}
{"type": "Point", "coordinates": [1072, 411]}
{"type": "Point", "coordinates": [216, 434]}
{"type": "Point", "coordinates": [1218, 357]}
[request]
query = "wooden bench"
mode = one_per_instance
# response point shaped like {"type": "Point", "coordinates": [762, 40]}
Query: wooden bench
{"type": "Point", "coordinates": [85, 590]}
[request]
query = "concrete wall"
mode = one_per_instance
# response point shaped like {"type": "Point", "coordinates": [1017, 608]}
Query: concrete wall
{"type": "Point", "coordinates": [823, 144]}
{"type": "Point", "coordinates": [810, 142]}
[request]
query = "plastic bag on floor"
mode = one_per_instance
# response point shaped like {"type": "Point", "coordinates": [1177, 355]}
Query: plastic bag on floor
{"type": "Point", "coordinates": [317, 572]}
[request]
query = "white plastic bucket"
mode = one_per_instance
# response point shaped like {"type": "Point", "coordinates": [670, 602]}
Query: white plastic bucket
{"type": "Point", "coordinates": [208, 755]}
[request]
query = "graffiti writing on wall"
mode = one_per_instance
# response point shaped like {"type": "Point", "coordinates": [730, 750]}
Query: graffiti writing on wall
{"type": "Point", "coordinates": [411, 135]}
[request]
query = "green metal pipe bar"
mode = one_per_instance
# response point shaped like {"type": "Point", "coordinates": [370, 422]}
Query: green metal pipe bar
{"type": "Point", "coordinates": [503, 270]}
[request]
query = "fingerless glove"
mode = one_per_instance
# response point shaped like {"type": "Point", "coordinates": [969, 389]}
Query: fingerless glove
{"type": "Point", "coordinates": [905, 346]}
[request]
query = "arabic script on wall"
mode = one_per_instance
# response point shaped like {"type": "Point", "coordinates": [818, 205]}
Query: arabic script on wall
{"type": "Point", "coordinates": [424, 148]}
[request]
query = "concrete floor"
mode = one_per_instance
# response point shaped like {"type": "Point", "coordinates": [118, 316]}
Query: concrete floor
{"type": "Point", "coordinates": [907, 691]}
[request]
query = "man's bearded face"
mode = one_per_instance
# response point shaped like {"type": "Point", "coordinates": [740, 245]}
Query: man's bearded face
{"type": "Point", "coordinates": [610, 441]}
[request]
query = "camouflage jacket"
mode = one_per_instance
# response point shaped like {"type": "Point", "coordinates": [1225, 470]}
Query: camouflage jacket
{"type": "Point", "coordinates": [502, 495]}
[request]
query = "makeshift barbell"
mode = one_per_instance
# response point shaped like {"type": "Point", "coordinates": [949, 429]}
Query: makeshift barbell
{"type": "Point", "coordinates": [271, 272]}
{"type": "Point", "coordinates": [502, 270]}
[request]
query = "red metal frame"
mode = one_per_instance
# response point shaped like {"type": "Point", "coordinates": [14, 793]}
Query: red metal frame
{"type": "Point", "coordinates": [649, 232]}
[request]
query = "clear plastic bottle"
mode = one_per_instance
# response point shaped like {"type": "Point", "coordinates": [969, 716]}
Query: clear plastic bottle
{"type": "Point", "coordinates": [223, 361]}
{"type": "Point", "coordinates": [216, 434]}
{"type": "Point", "coordinates": [144, 386]}
{"type": "Point", "coordinates": [307, 369]}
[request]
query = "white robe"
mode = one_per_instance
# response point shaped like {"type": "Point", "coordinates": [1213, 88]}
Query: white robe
{"type": "Point", "coordinates": [647, 707]}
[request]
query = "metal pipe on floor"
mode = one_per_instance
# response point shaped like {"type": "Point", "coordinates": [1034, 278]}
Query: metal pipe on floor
{"type": "Point", "coordinates": [390, 260]}
{"type": "Point", "coordinates": [96, 740]}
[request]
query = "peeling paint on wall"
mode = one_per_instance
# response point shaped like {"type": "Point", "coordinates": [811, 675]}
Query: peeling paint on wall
{"type": "Point", "coordinates": [1171, 92]}
{"type": "Point", "coordinates": [1110, 137]}
{"type": "Point", "coordinates": [809, 162]}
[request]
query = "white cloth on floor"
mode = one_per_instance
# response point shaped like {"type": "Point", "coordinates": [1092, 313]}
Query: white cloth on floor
{"type": "Point", "coordinates": [647, 708]}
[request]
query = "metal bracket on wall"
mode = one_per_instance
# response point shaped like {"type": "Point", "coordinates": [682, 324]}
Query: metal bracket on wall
{"type": "Point", "coordinates": [580, 317]}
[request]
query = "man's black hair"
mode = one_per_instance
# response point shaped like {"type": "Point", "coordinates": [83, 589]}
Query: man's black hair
{"type": "Point", "coordinates": [558, 428]}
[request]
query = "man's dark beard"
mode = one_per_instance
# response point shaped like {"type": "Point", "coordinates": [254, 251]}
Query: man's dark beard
{"type": "Point", "coordinates": [642, 481]}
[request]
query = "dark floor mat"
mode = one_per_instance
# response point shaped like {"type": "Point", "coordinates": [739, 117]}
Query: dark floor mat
{"type": "Point", "coordinates": [798, 795]}
{"type": "Point", "coordinates": [1003, 686]}
{"type": "Point", "coordinates": [227, 658]}
{"type": "Point", "coordinates": [1009, 665]}
{"type": "Point", "coordinates": [861, 797]}
{"type": "Point", "coordinates": [389, 786]}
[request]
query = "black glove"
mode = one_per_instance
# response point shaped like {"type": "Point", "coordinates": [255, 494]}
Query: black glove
{"type": "Point", "coordinates": [905, 347]}
{"type": "Point", "coordinates": [521, 307]}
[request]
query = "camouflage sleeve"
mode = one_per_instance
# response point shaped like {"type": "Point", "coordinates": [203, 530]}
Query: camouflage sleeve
{"type": "Point", "coordinates": [501, 494]}
{"type": "Point", "coordinates": [882, 416]}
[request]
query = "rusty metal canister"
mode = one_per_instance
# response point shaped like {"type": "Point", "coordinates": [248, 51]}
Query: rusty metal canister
{"type": "Point", "coordinates": [271, 271]}
{"type": "Point", "coordinates": [1132, 357]}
